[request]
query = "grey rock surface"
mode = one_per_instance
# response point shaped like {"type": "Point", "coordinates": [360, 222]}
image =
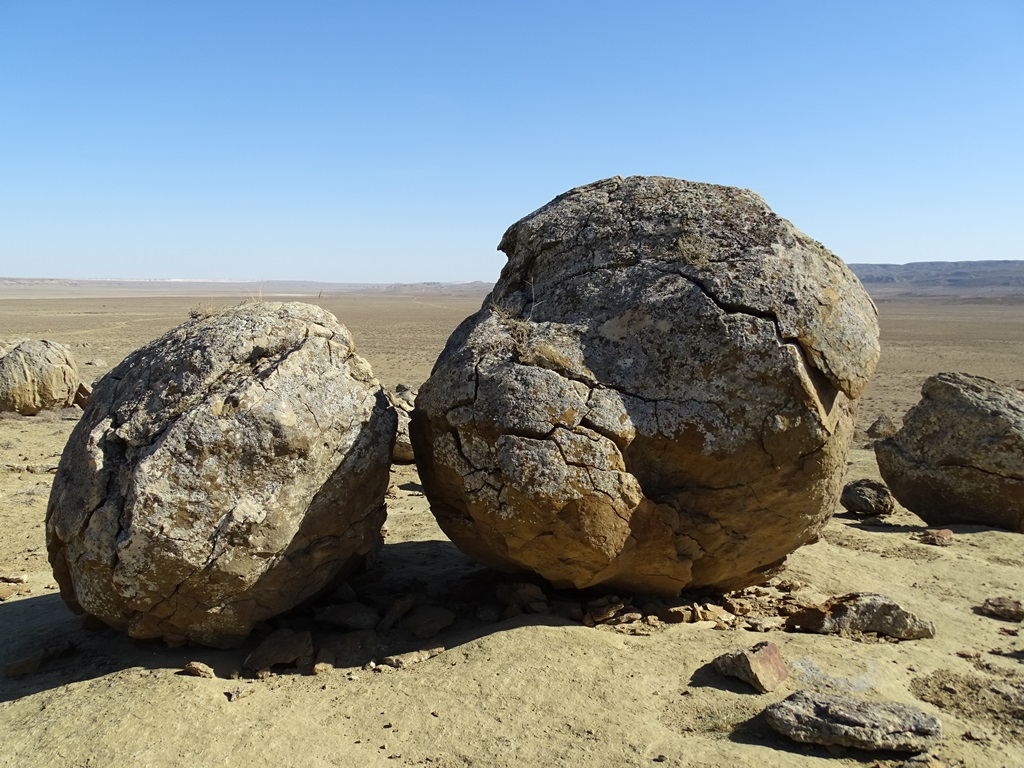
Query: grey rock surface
{"type": "Point", "coordinates": [220, 475]}
{"type": "Point", "coordinates": [959, 457]}
{"type": "Point", "coordinates": [659, 392]}
{"type": "Point", "coordinates": [882, 427]}
{"type": "Point", "coordinates": [403, 400]}
{"type": "Point", "coordinates": [868, 498]}
{"type": "Point", "coordinates": [36, 375]}
{"type": "Point", "coordinates": [862, 612]}
{"type": "Point", "coordinates": [828, 719]}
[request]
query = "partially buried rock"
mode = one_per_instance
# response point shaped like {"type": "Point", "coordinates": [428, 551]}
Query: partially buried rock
{"type": "Point", "coordinates": [659, 392]}
{"type": "Point", "coordinates": [1003, 608]}
{"type": "Point", "coordinates": [861, 612]}
{"type": "Point", "coordinates": [37, 375]}
{"type": "Point", "coordinates": [760, 666]}
{"type": "Point", "coordinates": [960, 455]}
{"type": "Point", "coordinates": [867, 498]}
{"type": "Point", "coordinates": [818, 718]}
{"type": "Point", "coordinates": [222, 475]}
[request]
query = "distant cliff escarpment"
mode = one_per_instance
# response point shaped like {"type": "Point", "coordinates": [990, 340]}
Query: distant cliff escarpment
{"type": "Point", "coordinates": [965, 279]}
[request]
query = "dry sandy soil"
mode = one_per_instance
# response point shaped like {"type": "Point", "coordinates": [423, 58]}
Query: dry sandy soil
{"type": "Point", "coordinates": [530, 690]}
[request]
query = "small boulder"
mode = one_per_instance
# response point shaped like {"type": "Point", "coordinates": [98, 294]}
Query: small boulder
{"type": "Point", "coordinates": [37, 375]}
{"type": "Point", "coordinates": [222, 475]}
{"type": "Point", "coordinates": [959, 457]}
{"type": "Point", "coordinates": [861, 612]}
{"type": "Point", "coordinates": [828, 719]}
{"type": "Point", "coordinates": [867, 498]}
{"type": "Point", "coordinates": [659, 393]}
{"type": "Point", "coordinates": [1003, 608]}
{"type": "Point", "coordinates": [760, 666]}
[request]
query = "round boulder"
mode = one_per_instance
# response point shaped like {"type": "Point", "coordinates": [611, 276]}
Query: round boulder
{"type": "Point", "coordinates": [867, 498]}
{"type": "Point", "coordinates": [959, 457]}
{"type": "Point", "coordinates": [222, 474]}
{"type": "Point", "coordinates": [659, 392]}
{"type": "Point", "coordinates": [37, 375]}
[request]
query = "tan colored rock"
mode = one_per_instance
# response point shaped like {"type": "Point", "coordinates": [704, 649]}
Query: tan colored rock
{"type": "Point", "coordinates": [862, 612]}
{"type": "Point", "coordinates": [659, 393]}
{"type": "Point", "coordinates": [222, 475]}
{"type": "Point", "coordinates": [760, 666]}
{"type": "Point", "coordinates": [37, 375]}
{"type": "Point", "coordinates": [959, 457]}
{"type": "Point", "coordinates": [403, 399]}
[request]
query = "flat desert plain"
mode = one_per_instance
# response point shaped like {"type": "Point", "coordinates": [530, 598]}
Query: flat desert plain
{"type": "Point", "coordinates": [535, 689]}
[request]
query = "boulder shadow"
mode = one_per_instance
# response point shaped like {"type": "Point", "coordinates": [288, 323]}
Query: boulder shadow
{"type": "Point", "coordinates": [45, 646]}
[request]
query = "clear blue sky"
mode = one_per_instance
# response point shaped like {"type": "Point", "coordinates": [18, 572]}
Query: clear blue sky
{"type": "Point", "coordinates": [395, 141]}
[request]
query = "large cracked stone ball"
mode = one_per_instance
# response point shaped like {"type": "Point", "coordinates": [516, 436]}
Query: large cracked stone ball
{"type": "Point", "coordinates": [659, 393]}
{"type": "Point", "coordinates": [222, 474]}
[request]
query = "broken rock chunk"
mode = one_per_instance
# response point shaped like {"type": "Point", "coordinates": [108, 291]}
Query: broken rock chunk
{"type": "Point", "coordinates": [761, 666]}
{"type": "Point", "coordinates": [861, 612]}
{"type": "Point", "coordinates": [1003, 608]}
{"type": "Point", "coordinates": [818, 718]}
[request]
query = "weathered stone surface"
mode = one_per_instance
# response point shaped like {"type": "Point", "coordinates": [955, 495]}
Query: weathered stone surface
{"type": "Point", "coordinates": [862, 612]}
{"type": "Point", "coordinates": [659, 392]}
{"type": "Point", "coordinates": [882, 427]}
{"type": "Point", "coordinates": [403, 400]}
{"type": "Point", "coordinates": [221, 475]}
{"type": "Point", "coordinates": [819, 718]}
{"type": "Point", "coordinates": [199, 669]}
{"type": "Point", "coordinates": [868, 498]}
{"type": "Point", "coordinates": [1003, 608]}
{"type": "Point", "coordinates": [37, 375]}
{"type": "Point", "coordinates": [960, 455]}
{"type": "Point", "coordinates": [760, 666]}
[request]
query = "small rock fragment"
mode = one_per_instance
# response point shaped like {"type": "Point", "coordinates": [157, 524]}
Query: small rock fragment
{"type": "Point", "coordinates": [760, 665]}
{"type": "Point", "coordinates": [867, 498]}
{"type": "Point", "coordinates": [20, 578]}
{"type": "Point", "coordinates": [403, 660]}
{"type": "Point", "coordinates": [82, 395]}
{"type": "Point", "coordinates": [199, 669]}
{"type": "Point", "coordinates": [676, 614]}
{"type": "Point", "coordinates": [818, 718]}
{"type": "Point", "coordinates": [239, 693]}
{"type": "Point", "coordinates": [861, 612]}
{"type": "Point", "coordinates": [427, 620]}
{"type": "Point", "coordinates": [7, 591]}
{"type": "Point", "coordinates": [943, 537]}
{"type": "Point", "coordinates": [285, 646]}
{"type": "Point", "coordinates": [1003, 608]}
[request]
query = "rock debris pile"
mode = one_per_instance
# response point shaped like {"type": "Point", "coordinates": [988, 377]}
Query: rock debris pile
{"type": "Point", "coordinates": [658, 394]}
{"type": "Point", "coordinates": [221, 475]}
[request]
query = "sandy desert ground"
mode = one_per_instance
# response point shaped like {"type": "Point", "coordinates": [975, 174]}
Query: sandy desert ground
{"type": "Point", "coordinates": [534, 689]}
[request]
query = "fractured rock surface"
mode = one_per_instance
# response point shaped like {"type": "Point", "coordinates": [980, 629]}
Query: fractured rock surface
{"type": "Point", "coordinates": [221, 475]}
{"type": "Point", "coordinates": [959, 457]}
{"type": "Point", "coordinates": [820, 718]}
{"type": "Point", "coordinates": [37, 375]}
{"type": "Point", "coordinates": [659, 392]}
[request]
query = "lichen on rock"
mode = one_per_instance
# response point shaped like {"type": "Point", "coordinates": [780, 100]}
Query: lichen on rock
{"type": "Point", "coordinates": [659, 392]}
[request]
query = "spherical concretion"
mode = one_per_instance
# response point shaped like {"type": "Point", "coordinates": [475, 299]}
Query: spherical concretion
{"type": "Point", "coordinates": [37, 375]}
{"type": "Point", "coordinates": [659, 392]}
{"type": "Point", "coordinates": [222, 474]}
